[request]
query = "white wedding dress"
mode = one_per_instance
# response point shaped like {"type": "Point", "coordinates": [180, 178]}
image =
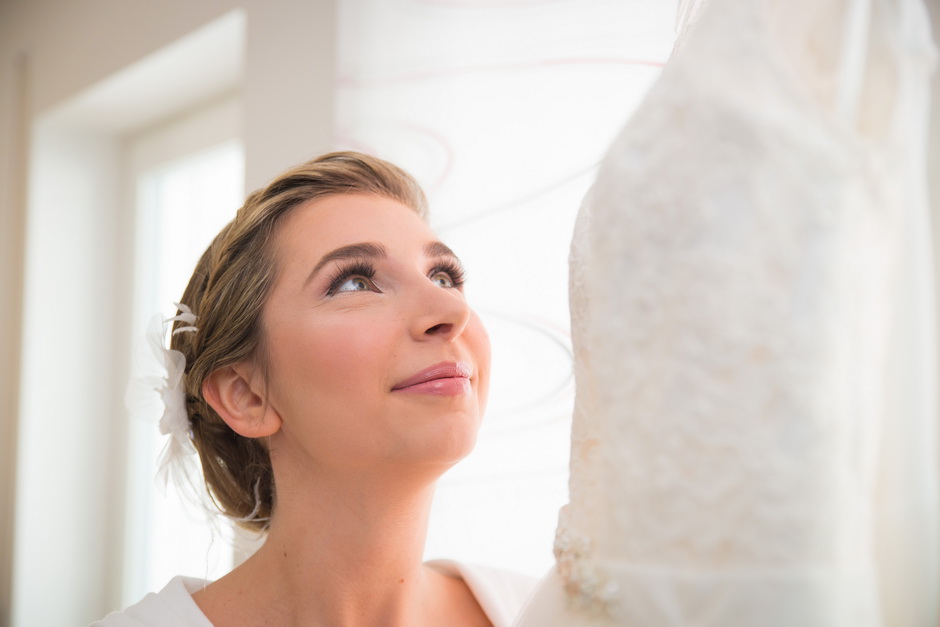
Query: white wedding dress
{"type": "Point", "coordinates": [754, 438]}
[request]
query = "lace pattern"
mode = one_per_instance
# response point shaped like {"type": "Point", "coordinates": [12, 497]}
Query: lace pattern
{"type": "Point", "coordinates": [585, 583]}
{"type": "Point", "coordinates": [730, 285]}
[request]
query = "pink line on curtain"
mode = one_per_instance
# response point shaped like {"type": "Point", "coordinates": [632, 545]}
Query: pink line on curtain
{"type": "Point", "coordinates": [349, 81]}
{"type": "Point", "coordinates": [441, 140]}
{"type": "Point", "coordinates": [348, 138]}
{"type": "Point", "coordinates": [478, 4]}
{"type": "Point", "coordinates": [519, 201]}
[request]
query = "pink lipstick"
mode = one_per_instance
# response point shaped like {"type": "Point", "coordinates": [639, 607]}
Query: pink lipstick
{"type": "Point", "coordinates": [443, 379]}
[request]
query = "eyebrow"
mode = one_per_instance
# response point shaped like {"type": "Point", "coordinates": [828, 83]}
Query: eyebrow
{"type": "Point", "coordinates": [439, 249]}
{"type": "Point", "coordinates": [362, 250]}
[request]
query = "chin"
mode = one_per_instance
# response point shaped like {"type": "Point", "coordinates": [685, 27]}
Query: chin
{"type": "Point", "coordinates": [444, 447]}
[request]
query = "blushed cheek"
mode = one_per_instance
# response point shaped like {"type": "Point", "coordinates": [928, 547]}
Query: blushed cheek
{"type": "Point", "coordinates": [339, 359]}
{"type": "Point", "coordinates": [480, 345]}
{"type": "Point", "coordinates": [330, 375]}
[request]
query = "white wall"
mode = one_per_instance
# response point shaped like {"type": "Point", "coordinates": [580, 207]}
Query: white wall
{"type": "Point", "coordinates": [12, 244]}
{"type": "Point", "coordinates": [63, 531]}
{"type": "Point", "coordinates": [933, 141]}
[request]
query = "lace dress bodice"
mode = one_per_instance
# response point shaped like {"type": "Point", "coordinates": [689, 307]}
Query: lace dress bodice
{"type": "Point", "coordinates": [733, 288]}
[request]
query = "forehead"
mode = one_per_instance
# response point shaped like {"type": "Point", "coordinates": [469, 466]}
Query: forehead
{"type": "Point", "coordinates": [324, 224]}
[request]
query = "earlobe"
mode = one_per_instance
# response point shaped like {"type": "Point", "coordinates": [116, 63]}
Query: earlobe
{"type": "Point", "coordinates": [229, 392]}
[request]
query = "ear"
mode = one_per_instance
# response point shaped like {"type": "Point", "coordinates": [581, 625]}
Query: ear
{"type": "Point", "coordinates": [237, 396]}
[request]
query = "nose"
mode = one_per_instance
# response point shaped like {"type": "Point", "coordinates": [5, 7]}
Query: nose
{"type": "Point", "coordinates": [441, 313]}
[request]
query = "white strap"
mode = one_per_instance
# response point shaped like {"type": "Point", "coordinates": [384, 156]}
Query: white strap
{"type": "Point", "coordinates": [686, 12]}
{"type": "Point", "coordinates": [853, 58]}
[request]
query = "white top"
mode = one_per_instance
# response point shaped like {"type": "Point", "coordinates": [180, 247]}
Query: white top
{"type": "Point", "coordinates": [500, 593]}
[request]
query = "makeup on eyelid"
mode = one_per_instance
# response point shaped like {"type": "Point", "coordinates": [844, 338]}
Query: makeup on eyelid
{"type": "Point", "coordinates": [366, 270]}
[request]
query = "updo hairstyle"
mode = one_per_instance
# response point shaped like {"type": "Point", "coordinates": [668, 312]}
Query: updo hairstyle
{"type": "Point", "coordinates": [228, 291]}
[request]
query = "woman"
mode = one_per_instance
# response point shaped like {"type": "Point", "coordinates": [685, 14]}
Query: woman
{"type": "Point", "coordinates": [333, 372]}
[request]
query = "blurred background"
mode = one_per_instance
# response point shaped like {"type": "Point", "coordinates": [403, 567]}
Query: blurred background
{"type": "Point", "coordinates": [130, 132]}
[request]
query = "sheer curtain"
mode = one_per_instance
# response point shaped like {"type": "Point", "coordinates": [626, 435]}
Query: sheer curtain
{"type": "Point", "coordinates": [502, 109]}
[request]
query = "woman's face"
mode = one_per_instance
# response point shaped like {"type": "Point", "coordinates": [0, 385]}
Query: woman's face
{"type": "Point", "coordinates": [374, 354]}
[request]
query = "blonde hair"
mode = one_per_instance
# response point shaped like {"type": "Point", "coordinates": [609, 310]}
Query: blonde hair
{"type": "Point", "coordinates": [228, 291]}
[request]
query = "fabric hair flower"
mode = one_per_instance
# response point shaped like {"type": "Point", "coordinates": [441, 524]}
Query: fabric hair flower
{"type": "Point", "coordinates": [169, 389]}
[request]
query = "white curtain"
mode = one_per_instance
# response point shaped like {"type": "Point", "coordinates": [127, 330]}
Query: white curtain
{"type": "Point", "coordinates": [502, 109]}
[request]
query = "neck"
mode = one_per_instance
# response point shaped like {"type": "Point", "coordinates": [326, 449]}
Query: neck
{"type": "Point", "coordinates": [354, 527]}
{"type": "Point", "coordinates": [344, 552]}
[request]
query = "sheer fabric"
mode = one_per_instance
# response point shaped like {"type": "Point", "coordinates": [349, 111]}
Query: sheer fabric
{"type": "Point", "coordinates": [502, 109]}
{"type": "Point", "coordinates": [754, 437]}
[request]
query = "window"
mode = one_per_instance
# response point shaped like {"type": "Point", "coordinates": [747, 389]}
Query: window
{"type": "Point", "coordinates": [188, 181]}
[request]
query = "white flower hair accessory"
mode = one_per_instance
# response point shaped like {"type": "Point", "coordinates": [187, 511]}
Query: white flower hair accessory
{"type": "Point", "coordinates": [170, 389]}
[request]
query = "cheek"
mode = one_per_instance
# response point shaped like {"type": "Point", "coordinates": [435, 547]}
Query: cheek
{"type": "Point", "coordinates": [332, 359]}
{"type": "Point", "coordinates": [479, 342]}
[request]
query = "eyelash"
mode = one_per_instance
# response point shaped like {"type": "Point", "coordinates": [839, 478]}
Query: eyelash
{"type": "Point", "coordinates": [453, 269]}
{"type": "Point", "coordinates": [359, 268]}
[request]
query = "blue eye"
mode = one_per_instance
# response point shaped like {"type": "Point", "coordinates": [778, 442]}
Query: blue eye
{"type": "Point", "coordinates": [443, 279]}
{"type": "Point", "coordinates": [448, 274]}
{"type": "Point", "coordinates": [355, 284]}
{"type": "Point", "coordinates": [353, 278]}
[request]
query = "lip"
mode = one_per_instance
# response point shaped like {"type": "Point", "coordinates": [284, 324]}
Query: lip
{"type": "Point", "coordinates": [444, 379]}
